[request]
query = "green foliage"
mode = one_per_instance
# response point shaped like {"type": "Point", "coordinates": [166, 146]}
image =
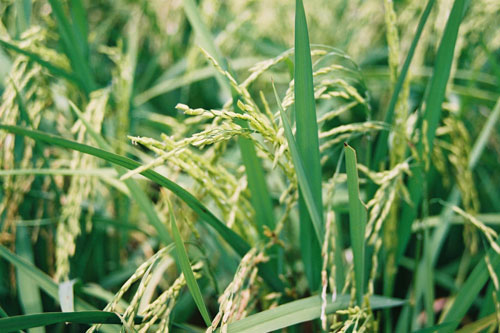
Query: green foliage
{"type": "Point", "coordinates": [308, 147]}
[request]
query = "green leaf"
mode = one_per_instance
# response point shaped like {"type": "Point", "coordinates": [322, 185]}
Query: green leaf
{"type": "Point", "coordinates": [448, 326]}
{"type": "Point", "coordinates": [73, 46]}
{"type": "Point", "coordinates": [480, 325]}
{"type": "Point", "coordinates": [260, 198]}
{"type": "Point", "coordinates": [304, 184]}
{"type": "Point", "coordinates": [188, 271]}
{"type": "Point", "coordinates": [3, 314]}
{"type": "Point", "coordinates": [300, 311]}
{"type": "Point", "coordinates": [49, 318]}
{"type": "Point", "coordinates": [469, 291]}
{"type": "Point", "coordinates": [80, 26]}
{"type": "Point", "coordinates": [357, 221]}
{"type": "Point", "coordinates": [308, 145]}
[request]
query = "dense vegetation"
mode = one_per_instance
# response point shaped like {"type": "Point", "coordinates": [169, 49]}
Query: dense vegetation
{"type": "Point", "coordinates": [249, 165]}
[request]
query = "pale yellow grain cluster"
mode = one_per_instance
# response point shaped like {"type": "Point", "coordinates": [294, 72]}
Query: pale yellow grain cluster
{"type": "Point", "coordinates": [458, 150]}
{"type": "Point", "coordinates": [380, 207]}
{"type": "Point", "coordinates": [390, 183]}
{"type": "Point", "coordinates": [459, 159]}
{"type": "Point", "coordinates": [489, 233]}
{"type": "Point", "coordinates": [358, 320]}
{"type": "Point", "coordinates": [81, 188]}
{"type": "Point", "coordinates": [142, 303]}
{"type": "Point", "coordinates": [163, 305]}
{"type": "Point", "coordinates": [238, 298]}
{"type": "Point", "coordinates": [342, 133]}
{"type": "Point", "coordinates": [122, 85]}
{"type": "Point", "coordinates": [398, 137]}
{"type": "Point", "coordinates": [26, 85]}
{"type": "Point", "coordinates": [222, 186]}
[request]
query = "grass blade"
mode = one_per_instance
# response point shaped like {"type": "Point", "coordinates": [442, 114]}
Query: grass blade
{"type": "Point", "coordinates": [381, 143]}
{"type": "Point", "coordinates": [357, 221]}
{"type": "Point", "coordinates": [80, 26]}
{"type": "Point", "coordinates": [432, 114]}
{"type": "Point", "coordinates": [233, 239]}
{"type": "Point", "coordinates": [308, 145]}
{"type": "Point", "coordinates": [305, 186]}
{"type": "Point", "coordinates": [300, 311]}
{"type": "Point", "coordinates": [470, 290]}
{"type": "Point", "coordinates": [443, 326]}
{"type": "Point", "coordinates": [49, 318]}
{"type": "Point", "coordinates": [73, 47]}
{"type": "Point", "coordinates": [204, 36]}
{"type": "Point", "coordinates": [3, 314]}
{"type": "Point", "coordinates": [480, 325]}
{"type": "Point", "coordinates": [188, 271]}
{"type": "Point", "coordinates": [260, 198]}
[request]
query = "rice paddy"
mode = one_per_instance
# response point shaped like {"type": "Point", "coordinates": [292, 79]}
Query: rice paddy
{"type": "Point", "coordinates": [249, 166]}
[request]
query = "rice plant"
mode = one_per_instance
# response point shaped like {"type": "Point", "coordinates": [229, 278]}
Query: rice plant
{"type": "Point", "coordinates": [249, 166]}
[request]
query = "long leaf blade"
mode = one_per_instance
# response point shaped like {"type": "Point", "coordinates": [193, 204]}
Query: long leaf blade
{"type": "Point", "coordinates": [73, 47]}
{"type": "Point", "coordinates": [300, 311]}
{"type": "Point", "coordinates": [304, 184]}
{"type": "Point", "coordinates": [188, 271]}
{"type": "Point", "coordinates": [49, 318]}
{"type": "Point", "coordinates": [357, 221]}
{"type": "Point", "coordinates": [308, 145]}
{"type": "Point", "coordinates": [470, 290]}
